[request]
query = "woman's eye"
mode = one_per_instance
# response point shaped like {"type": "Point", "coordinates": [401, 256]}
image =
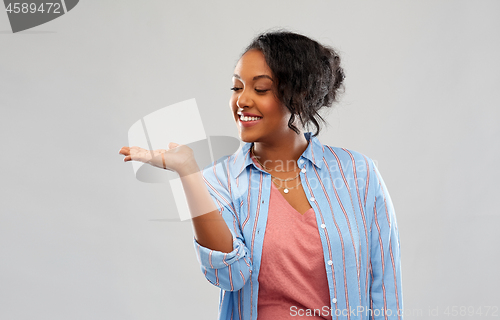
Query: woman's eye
{"type": "Point", "coordinates": [261, 90]}
{"type": "Point", "coordinates": [235, 88]}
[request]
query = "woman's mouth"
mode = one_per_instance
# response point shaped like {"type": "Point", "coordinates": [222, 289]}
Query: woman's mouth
{"type": "Point", "coordinates": [247, 121]}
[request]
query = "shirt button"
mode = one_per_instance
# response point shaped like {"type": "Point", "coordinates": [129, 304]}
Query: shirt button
{"type": "Point", "coordinates": [334, 300]}
{"type": "Point", "coordinates": [330, 262]}
{"type": "Point", "coordinates": [301, 161]}
{"type": "Point", "coordinates": [312, 199]}
{"type": "Point", "coordinates": [304, 170]}
{"type": "Point", "coordinates": [323, 225]}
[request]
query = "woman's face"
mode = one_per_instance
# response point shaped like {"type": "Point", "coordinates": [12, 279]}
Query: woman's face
{"type": "Point", "coordinates": [259, 115]}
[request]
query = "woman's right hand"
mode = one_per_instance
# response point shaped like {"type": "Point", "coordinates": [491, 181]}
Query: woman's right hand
{"type": "Point", "coordinates": [179, 158]}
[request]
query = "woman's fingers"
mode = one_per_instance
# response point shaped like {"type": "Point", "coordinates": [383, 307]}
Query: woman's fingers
{"type": "Point", "coordinates": [125, 151]}
{"type": "Point", "coordinates": [139, 154]}
{"type": "Point", "coordinates": [132, 153]}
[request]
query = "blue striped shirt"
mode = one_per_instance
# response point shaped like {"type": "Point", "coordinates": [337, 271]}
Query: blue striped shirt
{"type": "Point", "coordinates": [355, 219]}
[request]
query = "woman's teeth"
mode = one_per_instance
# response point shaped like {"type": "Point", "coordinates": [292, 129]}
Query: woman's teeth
{"type": "Point", "coordinates": [244, 118]}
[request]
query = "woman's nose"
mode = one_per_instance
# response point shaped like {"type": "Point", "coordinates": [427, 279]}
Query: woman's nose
{"type": "Point", "coordinates": [243, 100]}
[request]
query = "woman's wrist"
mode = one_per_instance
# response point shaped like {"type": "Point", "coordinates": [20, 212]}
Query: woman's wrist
{"type": "Point", "coordinates": [189, 167]}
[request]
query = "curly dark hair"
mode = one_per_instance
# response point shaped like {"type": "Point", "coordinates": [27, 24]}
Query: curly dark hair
{"type": "Point", "coordinates": [307, 74]}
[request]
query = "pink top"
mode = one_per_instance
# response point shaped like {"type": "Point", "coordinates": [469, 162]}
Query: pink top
{"type": "Point", "coordinates": [292, 276]}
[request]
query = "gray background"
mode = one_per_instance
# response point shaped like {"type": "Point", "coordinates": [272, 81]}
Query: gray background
{"type": "Point", "coordinates": [81, 238]}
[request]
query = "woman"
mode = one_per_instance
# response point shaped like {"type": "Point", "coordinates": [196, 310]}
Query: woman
{"type": "Point", "coordinates": [294, 228]}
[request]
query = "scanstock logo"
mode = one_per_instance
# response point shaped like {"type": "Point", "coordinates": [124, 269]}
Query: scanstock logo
{"type": "Point", "coordinates": [32, 13]}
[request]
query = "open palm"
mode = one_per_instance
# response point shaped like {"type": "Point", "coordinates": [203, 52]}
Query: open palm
{"type": "Point", "coordinates": [179, 158]}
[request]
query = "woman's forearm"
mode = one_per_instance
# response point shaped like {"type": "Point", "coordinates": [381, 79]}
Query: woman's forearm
{"type": "Point", "coordinates": [210, 229]}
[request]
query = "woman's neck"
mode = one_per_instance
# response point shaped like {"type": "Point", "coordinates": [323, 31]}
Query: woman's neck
{"type": "Point", "coordinates": [281, 154]}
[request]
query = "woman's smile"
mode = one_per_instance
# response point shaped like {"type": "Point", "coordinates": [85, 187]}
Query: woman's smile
{"type": "Point", "coordinates": [248, 119]}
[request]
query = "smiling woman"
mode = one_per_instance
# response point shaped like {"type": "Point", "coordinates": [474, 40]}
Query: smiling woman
{"type": "Point", "coordinates": [288, 226]}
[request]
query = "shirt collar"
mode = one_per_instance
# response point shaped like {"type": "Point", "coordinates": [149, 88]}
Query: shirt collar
{"type": "Point", "coordinates": [241, 159]}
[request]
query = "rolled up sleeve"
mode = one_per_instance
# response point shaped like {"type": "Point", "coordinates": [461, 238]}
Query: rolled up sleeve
{"type": "Point", "coordinates": [226, 270]}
